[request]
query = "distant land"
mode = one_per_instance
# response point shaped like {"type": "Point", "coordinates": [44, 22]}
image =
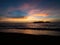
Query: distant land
{"type": "Point", "coordinates": [41, 22]}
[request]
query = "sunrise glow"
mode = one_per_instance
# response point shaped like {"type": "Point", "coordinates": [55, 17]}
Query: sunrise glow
{"type": "Point", "coordinates": [22, 11]}
{"type": "Point", "coordinates": [25, 19]}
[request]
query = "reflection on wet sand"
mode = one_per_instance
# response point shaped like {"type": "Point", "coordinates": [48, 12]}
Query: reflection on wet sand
{"type": "Point", "coordinates": [33, 32]}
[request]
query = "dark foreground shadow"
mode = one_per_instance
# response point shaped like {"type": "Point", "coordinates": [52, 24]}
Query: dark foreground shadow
{"type": "Point", "coordinates": [26, 37]}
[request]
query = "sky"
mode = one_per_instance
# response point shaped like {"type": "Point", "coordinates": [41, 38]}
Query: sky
{"type": "Point", "coordinates": [30, 9]}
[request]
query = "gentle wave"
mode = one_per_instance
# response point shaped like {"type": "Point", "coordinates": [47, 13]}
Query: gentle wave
{"type": "Point", "coordinates": [33, 32]}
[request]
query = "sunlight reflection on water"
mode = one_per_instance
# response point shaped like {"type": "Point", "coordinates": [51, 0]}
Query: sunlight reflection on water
{"type": "Point", "coordinates": [42, 25]}
{"type": "Point", "coordinates": [33, 32]}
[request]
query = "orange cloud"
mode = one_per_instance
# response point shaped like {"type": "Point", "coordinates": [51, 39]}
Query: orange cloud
{"type": "Point", "coordinates": [40, 14]}
{"type": "Point", "coordinates": [26, 19]}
